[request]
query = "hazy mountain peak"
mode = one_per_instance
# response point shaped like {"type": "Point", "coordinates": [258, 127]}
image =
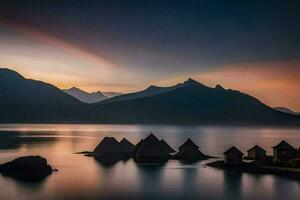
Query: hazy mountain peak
{"type": "Point", "coordinates": [191, 81]}
{"type": "Point", "coordinates": [151, 87]}
{"type": "Point", "coordinates": [74, 89]}
{"type": "Point", "coordinates": [84, 96]}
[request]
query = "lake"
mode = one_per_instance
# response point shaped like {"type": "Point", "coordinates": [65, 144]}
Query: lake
{"type": "Point", "coordinates": [81, 177]}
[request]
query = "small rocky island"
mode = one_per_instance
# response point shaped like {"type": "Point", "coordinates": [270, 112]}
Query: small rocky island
{"type": "Point", "coordinates": [27, 168]}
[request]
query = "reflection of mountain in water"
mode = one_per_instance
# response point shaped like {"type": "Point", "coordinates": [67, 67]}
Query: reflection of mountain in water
{"type": "Point", "coordinates": [14, 140]}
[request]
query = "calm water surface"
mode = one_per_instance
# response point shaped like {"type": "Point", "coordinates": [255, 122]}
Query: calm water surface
{"type": "Point", "coordinates": [81, 177]}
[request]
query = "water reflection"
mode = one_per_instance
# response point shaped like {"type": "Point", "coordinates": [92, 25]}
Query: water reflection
{"type": "Point", "coordinates": [106, 162]}
{"type": "Point", "coordinates": [232, 184]}
{"type": "Point", "coordinates": [82, 177]}
{"type": "Point", "coordinates": [15, 140]}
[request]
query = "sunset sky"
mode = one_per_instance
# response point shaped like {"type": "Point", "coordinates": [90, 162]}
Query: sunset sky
{"type": "Point", "coordinates": [125, 46]}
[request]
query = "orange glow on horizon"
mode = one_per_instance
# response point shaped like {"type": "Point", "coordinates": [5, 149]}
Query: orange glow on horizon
{"type": "Point", "coordinates": [275, 83]}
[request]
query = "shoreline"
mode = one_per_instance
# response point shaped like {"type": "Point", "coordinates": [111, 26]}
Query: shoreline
{"type": "Point", "coordinates": [252, 168]}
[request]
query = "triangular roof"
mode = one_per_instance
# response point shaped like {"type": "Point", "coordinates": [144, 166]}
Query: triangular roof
{"type": "Point", "coordinates": [137, 146]}
{"type": "Point", "coordinates": [188, 143]}
{"type": "Point", "coordinates": [283, 145]}
{"type": "Point", "coordinates": [257, 148]}
{"type": "Point", "coordinates": [233, 149]}
{"type": "Point", "coordinates": [108, 145]}
{"type": "Point", "coordinates": [126, 146]}
{"type": "Point", "coordinates": [189, 152]}
{"type": "Point", "coordinates": [151, 147]}
{"type": "Point", "coordinates": [167, 146]}
{"type": "Point", "coordinates": [151, 136]}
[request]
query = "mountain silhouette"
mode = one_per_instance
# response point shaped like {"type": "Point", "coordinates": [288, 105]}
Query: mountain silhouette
{"type": "Point", "coordinates": [190, 102]}
{"type": "Point", "coordinates": [27, 99]}
{"type": "Point", "coordinates": [150, 91]}
{"type": "Point", "coordinates": [84, 96]}
{"type": "Point", "coordinates": [287, 110]}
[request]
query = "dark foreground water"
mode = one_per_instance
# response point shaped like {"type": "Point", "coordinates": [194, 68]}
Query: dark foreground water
{"type": "Point", "coordinates": [81, 177]}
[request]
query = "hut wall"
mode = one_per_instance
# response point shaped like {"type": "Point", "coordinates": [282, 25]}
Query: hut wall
{"type": "Point", "coordinates": [233, 158]}
{"type": "Point", "coordinates": [256, 154]}
{"type": "Point", "coordinates": [283, 154]}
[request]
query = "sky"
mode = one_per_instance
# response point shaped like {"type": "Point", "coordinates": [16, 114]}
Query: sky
{"type": "Point", "coordinates": [127, 45]}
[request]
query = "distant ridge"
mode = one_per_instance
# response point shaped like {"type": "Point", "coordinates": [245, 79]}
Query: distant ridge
{"type": "Point", "coordinates": [151, 91]}
{"type": "Point", "coordinates": [190, 102]}
{"type": "Point", "coordinates": [112, 94]}
{"type": "Point", "coordinates": [84, 96]}
{"type": "Point", "coordinates": [30, 101]}
{"type": "Point", "coordinates": [287, 110]}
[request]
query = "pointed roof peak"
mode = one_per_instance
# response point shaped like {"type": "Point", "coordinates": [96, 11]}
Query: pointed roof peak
{"type": "Point", "coordinates": [283, 144]}
{"type": "Point", "coordinates": [126, 143]}
{"type": "Point", "coordinates": [124, 140]}
{"type": "Point", "coordinates": [188, 143]}
{"type": "Point", "coordinates": [167, 146]}
{"type": "Point", "coordinates": [256, 147]}
{"type": "Point", "coordinates": [151, 136]}
{"type": "Point", "coordinates": [233, 149]}
{"type": "Point", "coordinates": [107, 144]}
{"type": "Point", "coordinates": [109, 138]}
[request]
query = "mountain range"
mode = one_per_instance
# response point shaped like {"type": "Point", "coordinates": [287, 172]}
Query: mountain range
{"type": "Point", "coordinates": [29, 101]}
{"type": "Point", "coordinates": [92, 97]}
{"type": "Point", "coordinates": [24, 99]}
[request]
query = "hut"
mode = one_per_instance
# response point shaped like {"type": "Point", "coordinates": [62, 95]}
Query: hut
{"type": "Point", "coordinates": [109, 145]}
{"type": "Point", "coordinates": [107, 151]}
{"type": "Point", "coordinates": [151, 150]}
{"type": "Point", "coordinates": [283, 151]}
{"type": "Point", "coordinates": [189, 151]}
{"type": "Point", "coordinates": [167, 146]}
{"type": "Point", "coordinates": [233, 156]}
{"type": "Point", "coordinates": [137, 147]}
{"type": "Point", "coordinates": [256, 153]}
{"type": "Point", "coordinates": [126, 148]}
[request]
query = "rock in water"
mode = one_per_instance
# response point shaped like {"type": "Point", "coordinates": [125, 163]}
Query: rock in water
{"type": "Point", "coordinates": [27, 168]}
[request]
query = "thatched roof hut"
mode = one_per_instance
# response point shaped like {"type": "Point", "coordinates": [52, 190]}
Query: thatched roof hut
{"type": "Point", "coordinates": [283, 151]}
{"type": "Point", "coordinates": [126, 147]}
{"type": "Point", "coordinates": [256, 153]}
{"type": "Point", "coordinates": [233, 156]}
{"type": "Point", "coordinates": [108, 145]}
{"type": "Point", "coordinates": [151, 150]}
{"type": "Point", "coordinates": [107, 152]}
{"type": "Point", "coordinates": [167, 146]}
{"type": "Point", "coordinates": [189, 151]}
